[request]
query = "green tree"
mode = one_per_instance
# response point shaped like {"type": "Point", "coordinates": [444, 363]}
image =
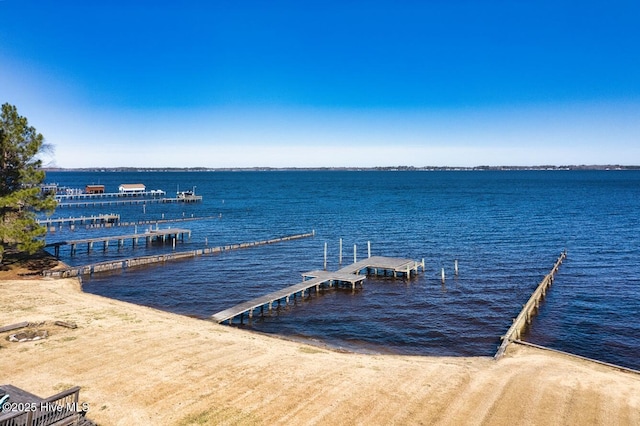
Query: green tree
{"type": "Point", "coordinates": [20, 194]}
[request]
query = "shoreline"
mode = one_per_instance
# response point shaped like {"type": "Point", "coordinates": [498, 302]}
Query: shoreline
{"type": "Point", "coordinates": [139, 365]}
{"type": "Point", "coordinates": [356, 350]}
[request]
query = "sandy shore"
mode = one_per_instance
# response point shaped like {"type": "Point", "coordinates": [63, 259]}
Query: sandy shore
{"type": "Point", "coordinates": [141, 366]}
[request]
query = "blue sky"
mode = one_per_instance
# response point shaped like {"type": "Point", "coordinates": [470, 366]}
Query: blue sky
{"type": "Point", "coordinates": [322, 83]}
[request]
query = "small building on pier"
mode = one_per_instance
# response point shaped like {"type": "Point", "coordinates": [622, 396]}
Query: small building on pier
{"type": "Point", "coordinates": [131, 188]}
{"type": "Point", "coordinates": [94, 189]}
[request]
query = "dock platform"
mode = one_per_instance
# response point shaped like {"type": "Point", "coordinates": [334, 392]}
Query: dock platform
{"type": "Point", "coordinates": [149, 236]}
{"type": "Point", "coordinates": [350, 275]}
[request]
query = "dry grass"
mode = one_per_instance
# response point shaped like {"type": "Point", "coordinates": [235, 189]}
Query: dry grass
{"type": "Point", "coordinates": [141, 366]}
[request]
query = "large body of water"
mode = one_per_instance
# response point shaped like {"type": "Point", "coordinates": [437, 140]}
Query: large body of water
{"type": "Point", "coordinates": [505, 228]}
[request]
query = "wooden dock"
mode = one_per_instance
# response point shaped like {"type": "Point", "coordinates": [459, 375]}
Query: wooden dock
{"type": "Point", "coordinates": [350, 275]}
{"type": "Point", "coordinates": [88, 223]}
{"type": "Point", "coordinates": [82, 220]}
{"type": "Point", "coordinates": [74, 271]}
{"type": "Point", "coordinates": [149, 236]}
{"type": "Point", "coordinates": [103, 195]}
{"type": "Point", "coordinates": [129, 201]}
{"type": "Point", "coordinates": [529, 309]}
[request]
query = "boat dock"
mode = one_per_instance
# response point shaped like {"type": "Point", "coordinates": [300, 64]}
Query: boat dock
{"type": "Point", "coordinates": [130, 201]}
{"type": "Point", "coordinates": [111, 265]}
{"type": "Point", "coordinates": [350, 275]}
{"type": "Point", "coordinates": [149, 236]}
{"type": "Point", "coordinates": [102, 195]}
{"type": "Point", "coordinates": [520, 323]}
{"type": "Point", "coordinates": [95, 219]}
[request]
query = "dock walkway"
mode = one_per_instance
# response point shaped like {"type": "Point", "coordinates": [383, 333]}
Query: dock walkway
{"type": "Point", "coordinates": [111, 265]}
{"type": "Point", "coordinates": [350, 275]}
{"type": "Point", "coordinates": [126, 201]}
{"type": "Point", "coordinates": [111, 218]}
{"type": "Point", "coordinates": [155, 234]}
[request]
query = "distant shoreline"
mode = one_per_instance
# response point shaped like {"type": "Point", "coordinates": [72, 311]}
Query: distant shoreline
{"type": "Point", "coordinates": [385, 168]}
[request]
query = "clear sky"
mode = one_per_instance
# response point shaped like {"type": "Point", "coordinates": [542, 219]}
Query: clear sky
{"type": "Point", "coordinates": [324, 83]}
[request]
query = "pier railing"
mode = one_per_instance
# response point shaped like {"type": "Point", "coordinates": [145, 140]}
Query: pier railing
{"type": "Point", "coordinates": [521, 322]}
{"type": "Point", "coordinates": [60, 409]}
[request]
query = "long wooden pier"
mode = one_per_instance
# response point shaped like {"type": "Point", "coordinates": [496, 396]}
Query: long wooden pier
{"type": "Point", "coordinates": [521, 322]}
{"type": "Point", "coordinates": [101, 218]}
{"type": "Point", "coordinates": [350, 275]}
{"type": "Point", "coordinates": [112, 265]}
{"type": "Point", "coordinates": [149, 236]}
{"type": "Point", "coordinates": [102, 195]}
{"type": "Point", "coordinates": [108, 222]}
{"type": "Point", "coordinates": [125, 201]}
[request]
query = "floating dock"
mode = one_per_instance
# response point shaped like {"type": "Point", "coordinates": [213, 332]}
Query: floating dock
{"type": "Point", "coordinates": [150, 236]}
{"type": "Point", "coordinates": [521, 322]}
{"type": "Point", "coordinates": [350, 275]}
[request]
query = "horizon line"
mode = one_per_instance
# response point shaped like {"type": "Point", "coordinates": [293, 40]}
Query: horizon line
{"type": "Point", "coordinates": [353, 168]}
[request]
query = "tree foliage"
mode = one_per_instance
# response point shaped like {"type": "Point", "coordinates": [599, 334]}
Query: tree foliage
{"type": "Point", "coordinates": [20, 194]}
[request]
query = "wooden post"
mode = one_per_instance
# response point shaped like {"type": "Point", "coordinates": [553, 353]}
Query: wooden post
{"type": "Point", "coordinates": [368, 249]}
{"type": "Point", "coordinates": [340, 256]}
{"type": "Point", "coordinates": [174, 243]}
{"type": "Point", "coordinates": [355, 257]}
{"type": "Point", "coordinates": [325, 256]}
{"type": "Point", "coordinates": [455, 267]}
{"type": "Point", "coordinates": [442, 275]}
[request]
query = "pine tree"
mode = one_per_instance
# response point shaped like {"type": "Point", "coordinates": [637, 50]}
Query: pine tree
{"type": "Point", "coordinates": [20, 194]}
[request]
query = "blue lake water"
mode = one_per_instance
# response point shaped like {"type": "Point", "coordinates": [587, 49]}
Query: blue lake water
{"type": "Point", "coordinates": [505, 228]}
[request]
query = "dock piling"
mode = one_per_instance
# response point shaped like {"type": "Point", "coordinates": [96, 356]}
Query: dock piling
{"type": "Point", "coordinates": [325, 256]}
